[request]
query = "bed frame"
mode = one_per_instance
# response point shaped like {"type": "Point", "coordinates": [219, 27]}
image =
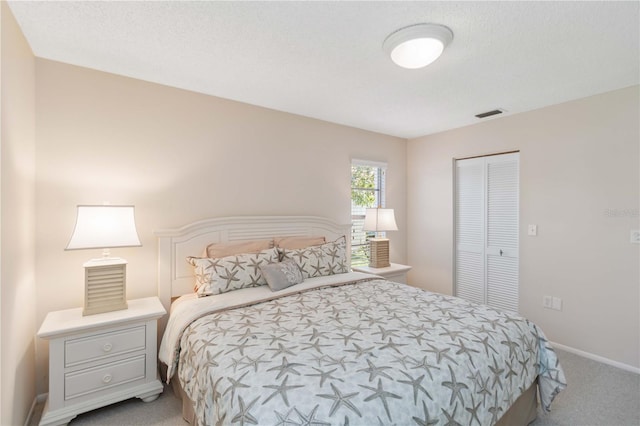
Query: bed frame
{"type": "Point", "coordinates": [175, 275]}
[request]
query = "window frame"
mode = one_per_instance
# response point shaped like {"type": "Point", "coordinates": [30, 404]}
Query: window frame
{"type": "Point", "coordinates": [357, 220]}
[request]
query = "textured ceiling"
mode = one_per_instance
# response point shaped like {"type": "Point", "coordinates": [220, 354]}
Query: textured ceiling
{"type": "Point", "coordinates": [325, 59]}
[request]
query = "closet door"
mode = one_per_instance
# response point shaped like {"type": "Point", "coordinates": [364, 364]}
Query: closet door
{"type": "Point", "coordinates": [470, 230]}
{"type": "Point", "coordinates": [487, 210]}
{"type": "Point", "coordinates": [502, 232]}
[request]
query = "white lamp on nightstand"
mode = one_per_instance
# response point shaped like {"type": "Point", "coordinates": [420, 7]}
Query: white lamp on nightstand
{"type": "Point", "coordinates": [104, 227]}
{"type": "Point", "coordinates": [379, 220]}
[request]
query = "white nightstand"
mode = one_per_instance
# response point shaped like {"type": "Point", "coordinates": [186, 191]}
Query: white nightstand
{"type": "Point", "coordinates": [396, 272]}
{"type": "Point", "coordinates": [100, 359]}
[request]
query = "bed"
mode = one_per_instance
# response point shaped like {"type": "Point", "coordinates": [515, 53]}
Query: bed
{"type": "Point", "coordinates": [340, 347]}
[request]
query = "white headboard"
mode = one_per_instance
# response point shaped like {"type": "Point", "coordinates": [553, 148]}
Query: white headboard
{"type": "Point", "coordinates": [175, 275]}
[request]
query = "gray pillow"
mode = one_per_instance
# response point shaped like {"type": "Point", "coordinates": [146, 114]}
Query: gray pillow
{"type": "Point", "coordinates": [281, 275]}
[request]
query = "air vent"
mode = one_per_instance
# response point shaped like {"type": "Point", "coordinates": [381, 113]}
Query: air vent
{"type": "Point", "coordinates": [489, 113]}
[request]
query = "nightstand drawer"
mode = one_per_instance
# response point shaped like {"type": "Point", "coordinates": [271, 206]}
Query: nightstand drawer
{"type": "Point", "coordinates": [105, 376]}
{"type": "Point", "coordinates": [104, 345]}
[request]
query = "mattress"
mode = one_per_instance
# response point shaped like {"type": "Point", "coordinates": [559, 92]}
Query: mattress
{"type": "Point", "coordinates": [354, 349]}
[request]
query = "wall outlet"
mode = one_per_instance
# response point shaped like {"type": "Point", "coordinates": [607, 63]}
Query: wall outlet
{"type": "Point", "coordinates": [635, 236]}
{"type": "Point", "coordinates": [532, 230]}
{"type": "Point", "coordinates": [552, 302]}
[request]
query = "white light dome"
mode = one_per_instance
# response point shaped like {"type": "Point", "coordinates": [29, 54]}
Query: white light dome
{"type": "Point", "coordinates": [418, 45]}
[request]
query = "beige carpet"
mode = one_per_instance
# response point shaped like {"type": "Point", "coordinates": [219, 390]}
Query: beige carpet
{"type": "Point", "coordinates": [597, 395]}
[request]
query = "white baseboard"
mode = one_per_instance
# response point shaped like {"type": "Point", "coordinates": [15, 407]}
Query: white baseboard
{"type": "Point", "coordinates": [37, 400]}
{"type": "Point", "coordinates": [598, 358]}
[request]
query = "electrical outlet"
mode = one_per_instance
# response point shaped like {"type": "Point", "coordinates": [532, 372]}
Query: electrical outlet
{"type": "Point", "coordinates": [556, 304]}
{"type": "Point", "coordinates": [547, 302]}
{"type": "Point", "coordinates": [635, 236]}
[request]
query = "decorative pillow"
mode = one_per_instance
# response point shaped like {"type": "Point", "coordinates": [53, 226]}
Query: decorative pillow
{"type": "Point", "coordinates": [294, 243]}
{"type": "Point", "coordinates": [216, 276]}
{"type": "Point", "coordinates": [218, 250]}
{"type": "Point", "coordinates": [322, 260]}
{"type": "Point", "coordinates": [282, 275]}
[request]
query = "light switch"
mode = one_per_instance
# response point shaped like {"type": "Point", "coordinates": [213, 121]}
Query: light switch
{"type": "Point", "coordinates": [635, 236]}
{"type": "Point", "coordinates": [532, 230]}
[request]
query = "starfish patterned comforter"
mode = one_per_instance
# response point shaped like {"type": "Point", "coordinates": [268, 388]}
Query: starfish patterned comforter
{"type": "Point", "coordinates": [360, 352]}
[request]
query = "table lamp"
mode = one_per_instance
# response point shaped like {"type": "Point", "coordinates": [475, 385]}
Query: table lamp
{"type": "Point", "coordinates": [379, 220]}
{"type": "Point", "coordinates": [104, 227]}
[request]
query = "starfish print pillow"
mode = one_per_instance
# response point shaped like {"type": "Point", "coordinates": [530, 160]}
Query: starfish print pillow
{"type": "Point", "coordinates": [322, 260]}
{"type": "Point", "coordinates": [217, 276]}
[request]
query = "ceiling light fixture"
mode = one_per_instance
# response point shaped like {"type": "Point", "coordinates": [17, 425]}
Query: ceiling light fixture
{"type": "Point", "coordinates": [418, 45]}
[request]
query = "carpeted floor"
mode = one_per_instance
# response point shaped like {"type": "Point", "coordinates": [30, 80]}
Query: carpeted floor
{"type": "Point", "coordinates": [597, 395]}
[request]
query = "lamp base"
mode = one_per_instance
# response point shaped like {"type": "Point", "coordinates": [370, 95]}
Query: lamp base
{"type": "Point", "coordinates": [379, 253]}
{"type": "Point", "coordinates": [105, 287]}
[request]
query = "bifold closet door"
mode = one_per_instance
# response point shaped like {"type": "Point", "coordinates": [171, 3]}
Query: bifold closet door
{"type": "Point", "coordinates": [486, 231]}
{"type": "Point", "coordinates": [470, 230]}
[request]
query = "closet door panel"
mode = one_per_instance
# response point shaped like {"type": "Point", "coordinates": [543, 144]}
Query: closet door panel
{"type": "Point", "coordinates": [502, 203]}
{"type": "Point", "coordinates": [502, 282]}
{"type": "Point", "coordinates": [470, 230]}
{"type": "Point", "coordinates": [502, 232]}
{"type": "Point", "coordinates": [469, 273]}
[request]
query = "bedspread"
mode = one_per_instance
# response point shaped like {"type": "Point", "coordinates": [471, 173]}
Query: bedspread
{"type": "Point", "coordinates": [372, 352]}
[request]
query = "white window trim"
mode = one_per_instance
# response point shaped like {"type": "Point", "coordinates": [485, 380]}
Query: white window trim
{"type": "Point", "coordinates": [379, 164]}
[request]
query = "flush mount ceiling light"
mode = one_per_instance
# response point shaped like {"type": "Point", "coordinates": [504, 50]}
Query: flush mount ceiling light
{"type": "Point", "coordinates": [418, 45]}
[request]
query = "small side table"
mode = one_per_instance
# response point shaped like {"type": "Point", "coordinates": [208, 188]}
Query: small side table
{"type": "Point", "coordinates": [396, 272]}
{"type": "Point", "coordinates": [97, 360]}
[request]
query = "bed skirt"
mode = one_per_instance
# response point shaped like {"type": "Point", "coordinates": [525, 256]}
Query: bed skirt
{"type": "Point", "coordinates": [522, 412]}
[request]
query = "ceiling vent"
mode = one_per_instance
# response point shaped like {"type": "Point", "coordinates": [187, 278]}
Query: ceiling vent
{"type": "Point", "coordinates": [489, 113]}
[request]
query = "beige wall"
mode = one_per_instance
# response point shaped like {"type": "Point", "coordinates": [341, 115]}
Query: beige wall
{"type": "Point", "coordinates": [579, 182]}
{"type": "Point", "coordinates": [178, 157]}
{"type": "Point", "coordinates": [17, 241]}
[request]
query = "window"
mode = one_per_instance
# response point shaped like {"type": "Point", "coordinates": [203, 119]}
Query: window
{"type": "Point", "coordinates": [367, 190]}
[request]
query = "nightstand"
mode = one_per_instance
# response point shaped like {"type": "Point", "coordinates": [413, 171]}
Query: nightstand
{"type": "Point", "coordinates": [100, 359]}
{"type": "Point", "coordinates": [396, 272]}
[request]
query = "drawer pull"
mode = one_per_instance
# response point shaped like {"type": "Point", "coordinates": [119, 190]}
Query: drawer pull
{"type": "Point", "coordinates": [107, 378]}
{"type": "Point", "coordinates": [107, 347]}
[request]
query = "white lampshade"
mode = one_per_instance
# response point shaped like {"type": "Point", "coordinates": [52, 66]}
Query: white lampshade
{"type": "Point", "coordinates": [104, 227]}
{"type": "Point", "coordinates": [380, 220]}
{"type": "Point", "coordinates": [417, 46]}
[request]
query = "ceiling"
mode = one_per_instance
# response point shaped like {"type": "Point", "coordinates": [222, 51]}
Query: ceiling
{"type": "Point", "coordinates": [325, 59]}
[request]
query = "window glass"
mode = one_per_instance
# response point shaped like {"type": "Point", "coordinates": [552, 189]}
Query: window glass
{"type": "Point", "coordinates": [367, 190]}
